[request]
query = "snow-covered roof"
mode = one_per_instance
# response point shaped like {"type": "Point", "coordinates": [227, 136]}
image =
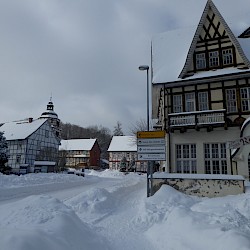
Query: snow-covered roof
{"type": "Point", "coordinates": [77, 144]}
{"type": "Point", "coordinates": [49, 114]}
{"type": "Point", "coordinates": [123, 144]}
{"type": "Point", "coordinates": [20, 130]}
{"type": "Point", "coordinates": [170, 49]}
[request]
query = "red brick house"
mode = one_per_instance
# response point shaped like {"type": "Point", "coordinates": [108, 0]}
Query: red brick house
{"type": "Point", "coordinates": [80, 153]}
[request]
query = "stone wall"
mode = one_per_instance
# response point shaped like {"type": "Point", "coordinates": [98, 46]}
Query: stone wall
{"type": "Point", "coordinates": [202, 187]}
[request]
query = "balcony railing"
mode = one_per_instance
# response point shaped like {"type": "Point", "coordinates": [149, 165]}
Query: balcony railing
{"type": "Point", "coordinates": [208, 117]}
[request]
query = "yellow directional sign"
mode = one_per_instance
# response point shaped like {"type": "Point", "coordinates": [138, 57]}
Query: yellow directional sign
{"type": "Point", "coordinates": [151, 134]}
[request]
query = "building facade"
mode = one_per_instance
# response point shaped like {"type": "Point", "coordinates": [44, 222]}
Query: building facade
{"type": "Point", "coordinates": [201, 97]}
{"type": "Point", "coordinates": [80, 153]}
{"type": "Point", "coordinates": [30, 141]}
{"type": "Point", "coordinates": [123, 154]}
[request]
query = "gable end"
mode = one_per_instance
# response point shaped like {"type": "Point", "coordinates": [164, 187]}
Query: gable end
{"type": "Point", "coordinates": [213, 31]}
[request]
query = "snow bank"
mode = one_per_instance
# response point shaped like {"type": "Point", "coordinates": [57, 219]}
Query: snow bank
{"type": "Point", "coordinates": [14, 181]}
{"type": "Point", "coordinates": [106, 173]}
{"type": "Point", "coordinates": [93, 205]}
{"type": "Point", "coordinates": [113, 207]}
{"type": "Point", "coordinates": [43, 222]}
{"type": "Point", "coordinates": [183, 222]}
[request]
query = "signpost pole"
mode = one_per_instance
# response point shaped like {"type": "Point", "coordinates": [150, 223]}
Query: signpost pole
{"type": "Point", "coordinates": [148, 169]}
{"type": "Point", "coordinates": [151, 177]}
{"type": "Point", "coordinates": [151, 146]}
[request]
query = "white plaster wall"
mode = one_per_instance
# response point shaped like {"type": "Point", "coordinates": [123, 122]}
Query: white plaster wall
{"type": "Point", "coordinates": [199, 138]}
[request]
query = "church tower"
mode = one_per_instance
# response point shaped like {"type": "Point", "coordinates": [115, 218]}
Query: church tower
{"type": "Point", "coordinates": [52, 117]}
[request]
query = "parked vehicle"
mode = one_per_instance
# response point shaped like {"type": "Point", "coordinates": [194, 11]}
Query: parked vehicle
{"type": "Point", "coordinates": [76, 172]}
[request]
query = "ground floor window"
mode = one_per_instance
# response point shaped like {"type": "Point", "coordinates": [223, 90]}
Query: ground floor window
{"type": "Point", "coordinates": [186, 158]}
{"type": "Point", "coordinates": [215, 158]}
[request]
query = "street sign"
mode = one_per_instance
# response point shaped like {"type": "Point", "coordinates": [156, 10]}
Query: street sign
{"type": "Point", "coordinates": [151, 145]}
{"type": "Point", "coordinates": [151, 149]}
{"type": "Point", "coordinates": [150, 142]}
{"type": "Point", "coordinates": [151, 157]}
{"type": "Point", "coordinates": [151, 134]}
{"type": "Point", "coordinates": [239, 142]}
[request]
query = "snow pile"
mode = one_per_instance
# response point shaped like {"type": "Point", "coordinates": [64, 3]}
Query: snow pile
{"type": "Point", "coordinates": [93, 205]}
{"type": "Point", "coordinates": [43, 222]}
{"type": "Point", "coordinates": [106, 173]}
{"type": "Point", "coordinates": [182, 222]}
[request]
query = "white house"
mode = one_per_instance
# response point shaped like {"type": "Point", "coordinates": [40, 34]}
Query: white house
{"type": "Point", "coordinates": [201, 89]}
{"type": "Point", "coordinates": [32, 145]}
{"type": "Point", "coordinates": [125, 147]}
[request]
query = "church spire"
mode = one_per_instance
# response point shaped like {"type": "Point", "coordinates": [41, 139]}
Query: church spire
{"type": "Point", "coordinates": [52, 117]}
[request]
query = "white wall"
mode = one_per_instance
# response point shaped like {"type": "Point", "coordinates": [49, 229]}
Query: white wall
{"type": "Point", "coordinates": [219, 135]}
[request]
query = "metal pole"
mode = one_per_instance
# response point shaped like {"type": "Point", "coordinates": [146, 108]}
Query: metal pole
{"type": "Point", "coordinates": [150, 163]}
{"type": "Point", "coordinates": [149, 167]}
{"type": "Point", "coordinates": [147, 102]}
{"type": "Point", "coordinates": [149, 170]}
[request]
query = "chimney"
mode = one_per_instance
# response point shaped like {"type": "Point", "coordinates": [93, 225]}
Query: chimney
{"type": "Point", "coordinates": [30, 120]}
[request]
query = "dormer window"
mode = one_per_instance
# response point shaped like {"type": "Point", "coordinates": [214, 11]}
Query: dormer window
{"type": "Point", "coordinates": [200, 61]}
{"type": "Point", "coordinates": [213, 59]}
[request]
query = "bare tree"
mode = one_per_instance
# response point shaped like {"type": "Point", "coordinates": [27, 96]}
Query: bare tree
{"type": "Point", "coordinates": [118, 129]}
{"type": "Point", "coordinates": [140, 125]}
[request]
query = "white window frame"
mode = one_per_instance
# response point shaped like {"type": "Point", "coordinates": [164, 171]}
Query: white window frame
{"type": "Point", "coordinates": [214, 58]}
{"type": "Point", "coordinates": [215, 158]}
{"type": "Point", "coordinates": [201, 61]}
{"type": "Point", "coordinates": [227, 56]}
{"type": "Point", "coordinates": [186, 158]}
{"type": "Point", "coordinates": [177, 104]}
{"type": "Point", "coordinates": [231, 100]}
{"type": "Point", "coordinates": [245, 99]}
{"type": "Point", "coordinates": [203, 101]}
{"type": "Point", "coordinates": [190, 102]}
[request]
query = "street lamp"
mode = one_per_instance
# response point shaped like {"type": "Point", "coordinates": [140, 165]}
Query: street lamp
{"type": "Point", "coordinates": [146, 67]}
{"type": "Point", "coordinates": [149, 166]}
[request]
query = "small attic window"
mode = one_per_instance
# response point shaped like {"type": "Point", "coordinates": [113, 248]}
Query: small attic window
{"type": "Point", "coordinates": [245, 34]}
{"type": "Point", "coordinates": [200, 61]}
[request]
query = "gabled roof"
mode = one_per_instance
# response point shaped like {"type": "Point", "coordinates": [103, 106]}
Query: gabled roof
{"type": "Point", "coordinates": [20, 130]}
{"type": "Point", "coordinates": [123, 144]}
{"type": "Point", "coordinates": [77, 144]}
{"type": "Point", "coordinates": [172, 51]}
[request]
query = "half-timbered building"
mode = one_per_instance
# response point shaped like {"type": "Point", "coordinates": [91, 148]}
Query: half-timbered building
{"type": "Point", "coordinates": [80, 153]}
{"type": "Point", "coordinates": [123, 150]}
{"type": "Point", "coordinates": [201, 89]}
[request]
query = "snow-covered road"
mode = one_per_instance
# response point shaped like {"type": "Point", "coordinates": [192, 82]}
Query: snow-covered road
{"type": "Point", "coordinates": [109, 211]}
{"type": "Point", "coordinates": [55, 187]}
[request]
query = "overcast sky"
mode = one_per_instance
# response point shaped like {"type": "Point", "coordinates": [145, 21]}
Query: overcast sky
{"type": "Point", "coordinates": [85, 52]}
